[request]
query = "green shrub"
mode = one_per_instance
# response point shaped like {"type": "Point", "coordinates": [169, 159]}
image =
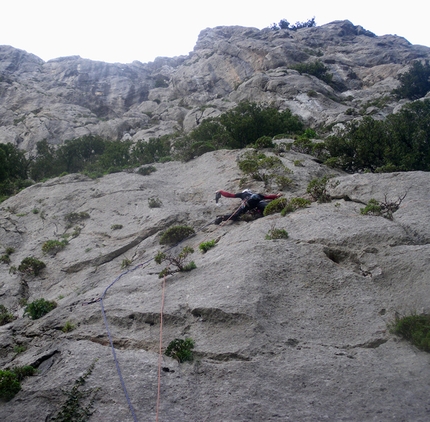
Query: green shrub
{"type": "Point", "coordinates": [384, 208]}
{"type": "Point", "coordinates": [75, 217]}
{"type": "Point", "coordinates": [416, 329]}
{"type": "Point", "coordinates": [38, 308]}
{"type": "Point", "coordinates": [147, 170]}
{"type": "Point", "coordinates": [398, 143]}
{"type": "Point", "coordinates": [79, 404]}
{"type": "Point", "coordinates": [262, 167]}
{"type": "Point", "coordinates": [23, 371]}
{"type": "Point", "coordinates": [317, 188]}
{"type": "Point", "coordinates": [19, 349]}
{"type": "Point", "coordinates": [415, 83]}
{"type": "Point", "coordinates": [116, 226]}
{"type": "Point", "coordinates": [239, 127]}
{"type": "Point", "coordinates": [372, 208]}
{"type": "Point", "coordinates": [54, 246]}
{"type": "Point", "coordinates": [181, 350]}
{"type": "Point", "coordinates": [68, 326]}
{"type": "Point", "coordinates": [10, 380]}
{"type": "Point", "coordinates": [283, 181]}
{"type": "Point", "coordinates": [263, 142]}
{"type": "Point", "coordinates": [10, 250]}
{"type": "Point", "coordinates": [5, 315]}
{"type": "Point", "coordinates": [275, 206]}
{"type": "Point", "coordinates": [295, 204]}
{"type": "Point", "coordinates": [31, 265]}
{"type": "Point", "coordinates": [9, 385]}
{"type": "Point", "coordinates": [176, 234]}
{"type": "Point", "coordinates": [126, 262]}
{"type": "Point", "coordinates": [5, 259]}
{"type": "Point", "coordinates": [179, 261]}
{"type": "Point", "coordinates": [316, 68]}
{"type": "Point", "coordinates": [205, 246]}
{"type": "Point", "coordinates": [154, 202]}
{"type": "Point", "coordinates": [275, 233]}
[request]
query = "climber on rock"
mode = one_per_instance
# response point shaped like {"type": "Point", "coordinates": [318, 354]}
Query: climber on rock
{"type": "Point", "coordinates": [250, 201]}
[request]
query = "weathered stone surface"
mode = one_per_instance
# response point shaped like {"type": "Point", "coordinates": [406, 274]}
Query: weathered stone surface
{"type": "Point", "coordinates": [292, 329]}
{"type": "Point", "coordinates": [69, 97]}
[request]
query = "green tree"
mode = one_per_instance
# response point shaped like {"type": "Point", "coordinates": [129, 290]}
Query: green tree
{"type": "Point", "coordinates": [151, 151]}
{"type": "Point", "coordinates": [115, 156]}
{"type": "Point", "coordinates": [399, 143]}
{"type": "Point", "coordinates": [414, 83]}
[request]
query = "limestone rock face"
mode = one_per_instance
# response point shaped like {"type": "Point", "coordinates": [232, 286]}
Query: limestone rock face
{"type": "Point", "coordinates": [287, 329]}
{"type": "Point", "coordinates": [70, 97]}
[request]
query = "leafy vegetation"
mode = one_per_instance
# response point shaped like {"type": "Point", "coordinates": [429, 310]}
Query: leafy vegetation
{"type": "Point", "coordinates": [13, 171]}
{"type": "Point", "coordinates": [31, 266]}
{"type": "Point", "coordinates": [238, 128]}
{"type": "Point", "coordinates": [275, 233]}
{"type": "Point", "coordinates": [317, 188]}
{"type": "Point", "coordinates": [285, 206]}
{"type": "Point", "coordinates": [205, 246]}
{"type": "Point", "coordinates": [10, 380]}
{"type": "Point", "coordinates": [294, 204]}
{"type": "Point", "coordinates": [79, 404]}
{"type": "Point", "coordinates": [5, 315]}
{"type": "Point", "coordinates": [275, 206]}
{"type": "Point", "coordinates": [401, 142]}
{"type": "Point", "coordinates": [317, 69]}
{"type": "Point", "coordinates": [384, 208]}
{"type": "Point", "coordinates": [146, 170]}
{"type": "Point", "coordinates": [38, 308]}
{"type": "Point", "coordinates": [54, 246]}
{"type": "Point", "coordinates": [416, 329]}
{"type": "Point", "coordinates": [176, 234]}
{"type": "Point", "coordinates": [265, 168]}
{"type": "Point", "coordinates": [180, 349]}
{"type": "Point", "coordinates": [75, 217]}
{"type": "Point", "coordinates": [154, 202]}
{"type": "Point", "coordinates": [68, 326]}
{"type": "Point", "coordinates": [284, 24]}
{"type": "Point", "coordinates": [415, 83]}
{"type": "Point", "coordinates": [179, 261]}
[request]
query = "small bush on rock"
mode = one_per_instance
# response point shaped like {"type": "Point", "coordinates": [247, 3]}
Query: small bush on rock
{"type": "Point", "coordinates": [175, 234]}
{"type": "Point", "coordinates": [317, 188]}
{"type": "Point", "coordinates": [275, 206]}
{"type": "Point", "coordinates": [146, 170]}
{"type": "Point", "coordinates": [154, 202]}
{"type": "Point", "coordinates": [179, 261]}
{"type": "Point", "coordinates": [416, 329]}
{"type": "Point", "coordinates": [205, 246]}
{"type": "Point", "coordinates": [38, 308]}
{"type": "Point", "coordinates": [10, 380]}
{"type": "Point", "coordinates": [181, 350]}
{"type": "Point", "coordinates": [275, 233]}
{"type": "Point", "coordinates": [294, 204]}
{"type": "Point", "coordinates": [31, 265]}
{"type": "Point", "coordinates": [5, 315]}
{"type": "Point", "coordinates": [54, 246]}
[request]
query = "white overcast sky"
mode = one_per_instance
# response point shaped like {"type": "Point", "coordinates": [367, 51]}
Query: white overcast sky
{"type": "Point", "coordinates": [128, 30]}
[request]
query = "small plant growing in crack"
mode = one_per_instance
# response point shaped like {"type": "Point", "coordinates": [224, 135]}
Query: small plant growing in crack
{"type": "Point", "coordinates": [31, 266]}
{"type": "Point", "coordinates": [275, 233]}
{"type": "Point", "coordinates": [80, 403]}
{"type": "Point", "coordinates": [205, 246]}
{"type": "Point", "coordinates": [179, 261]}
{"type": "Point", "coordinates": [126, 262]}
{"type": "Point", "coordinates": [181, 350]}
{"type": "Point", "coordinates": [385, 208]}
{"type": "Point", "coordinates": [414, 328]}
{"type": "Point", "coordinates": [68, 326]}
